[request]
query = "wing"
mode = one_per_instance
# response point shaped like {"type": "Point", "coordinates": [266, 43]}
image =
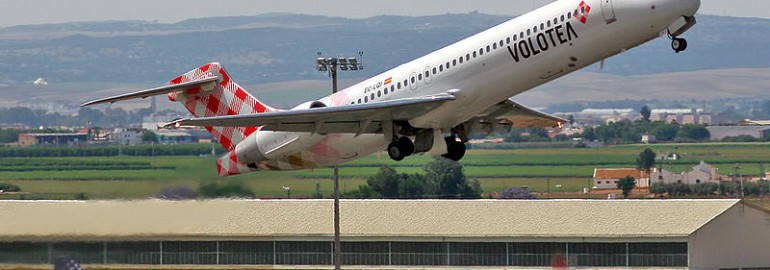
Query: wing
{"type": "Point", "coordinates": [360, 118]}
{"type": "Point", "coordinates": [512, 114]}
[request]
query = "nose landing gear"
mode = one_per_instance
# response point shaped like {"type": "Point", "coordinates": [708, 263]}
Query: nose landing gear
{"type": "Point", "coordinates": [678, 44]}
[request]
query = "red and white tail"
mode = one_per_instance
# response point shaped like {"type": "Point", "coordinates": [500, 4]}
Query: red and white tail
{"type": "Point", "coordinates": [227, 98]}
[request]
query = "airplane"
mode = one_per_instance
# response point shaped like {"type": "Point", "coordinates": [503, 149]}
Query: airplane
{"type": "Point", "coordinates": [429, 105]}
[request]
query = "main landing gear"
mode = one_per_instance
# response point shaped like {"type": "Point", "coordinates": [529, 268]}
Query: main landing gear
{"type": "Point", "coordinates": [455, 149]}
{"type": "Point", "coordinates": [678, 44]}
{"type": "Point", "coordinates": [401, 148]}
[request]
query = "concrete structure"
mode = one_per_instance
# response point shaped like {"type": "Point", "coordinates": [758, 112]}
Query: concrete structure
{"type": "Point", "coordinates": [608, 178]}
{"type": "Point", "coordinates": [176, 136]}
{"type": "Point", "coordinates": [53, 139]}
{"type": "Point", "coordinates": [127, 136]}
{"type": "Point", "coordinates": [718, 133]}
{"type": "Point", "coordinates": [700, 234]}
{"type": "Point", "coordinates": [681, 116]}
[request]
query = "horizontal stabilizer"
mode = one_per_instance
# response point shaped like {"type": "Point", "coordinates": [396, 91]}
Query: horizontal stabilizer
{"type": "Point", "coordinates": [520, 116]}
{"type": "Point", "coordinates": [200, 84]}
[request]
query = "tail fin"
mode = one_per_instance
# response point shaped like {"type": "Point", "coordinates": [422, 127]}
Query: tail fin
{"type": "Point", "coordinates": [227, 98]}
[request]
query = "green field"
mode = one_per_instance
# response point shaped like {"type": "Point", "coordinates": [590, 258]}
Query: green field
{"type": "Point", "coordinates": [142, 177]}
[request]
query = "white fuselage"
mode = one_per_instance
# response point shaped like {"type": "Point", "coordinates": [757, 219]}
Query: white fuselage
{"type": "Point", "coordinates": [494, 65]}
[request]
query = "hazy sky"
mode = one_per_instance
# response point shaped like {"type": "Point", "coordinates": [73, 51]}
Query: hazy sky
{"type": "Point", "coordinates": [19, 12]}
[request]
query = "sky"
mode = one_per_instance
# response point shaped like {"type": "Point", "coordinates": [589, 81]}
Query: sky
{"type": "Point", "coordinates": [22, 12]}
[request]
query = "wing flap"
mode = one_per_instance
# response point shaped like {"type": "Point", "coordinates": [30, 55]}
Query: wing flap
{"type": "Point", "coordinates": [520, 116]}
{"type": "Point", "coordinates": [201, 84]}
{"type": "Point", "coordinates": [360, 118]}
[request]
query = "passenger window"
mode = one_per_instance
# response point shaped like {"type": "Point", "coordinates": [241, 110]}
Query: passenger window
{"type": "Point", "coordinates": [474, 54]}
{"type": "Point", "coordinates": [562, 18]}
{"type": "Point", "coordinates": [379, 93]}
{"type": "Point", "coordinates": [386, 91]}
{"type": "Point", "coordinates": [419, 77]}
{"type": "Point", "coordinates": [529, 32]}
{"type": "Point", "coordinates": [435, 71]}
{"type": "Point", "coordinates": [372, 96]}
{"type": "Point", "coordinates": [441, 68]}
{"type": "Point", "coordinates": [359, 101]}
{"type": "Point", "coordinates": [392, 89]}
{"type": "Point", "coordinates": [488, 47]}
{"type": "Point", "coordinates": [534, 30]}
{"type": "Point", "coordinates": [399, 85]}
{"type": "Point", "coordinates": [508, 40]}
{"type": "Point", "coordinates": [494, 46]}
{"type": "Point", "coordinates": [555, 21]}
{"type": "Point", "coordinates": [427, 74]}
{"type": "Point", "coordinates": [501, 43]}
{"type": "Point", "coordinates": [447, 65]}
{"type": "Point", "coordinates": [468, 57]}
{"type": "Point", "coordinates": [366, 99]}
{"type": "Point", "coordinates": [542, 26]}
{"type": "Point", "coordinates": [414, 80]}
{"type": "Point", "coordinates": [406, 83]}
{"type": "Point", "coordinates": [549, 24]}
{"type": "Point", "coordinates": [521, 35]}
{"type": "Point", "coordinates": [454, 62]}
{"type": "Point", "coordinates": [514, 38]}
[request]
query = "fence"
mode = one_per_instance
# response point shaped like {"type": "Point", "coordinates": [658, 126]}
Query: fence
{"type": "Point", "coordinates": [354, 253]}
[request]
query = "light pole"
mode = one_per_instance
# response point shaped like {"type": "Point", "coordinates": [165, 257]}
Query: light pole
{"type": "Point", "coordinates": [331, 65]}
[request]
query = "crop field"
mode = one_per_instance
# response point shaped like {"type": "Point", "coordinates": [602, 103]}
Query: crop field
{"type": "Point", "coordinates": [566, 169]}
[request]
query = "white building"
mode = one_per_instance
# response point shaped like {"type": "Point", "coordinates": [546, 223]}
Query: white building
{"type": "Point", "coordinates": [701, 173]}
{"type": "Point", "coordinates": [127, 136]}
{"type": "Point", "coordinates": [608, 178]}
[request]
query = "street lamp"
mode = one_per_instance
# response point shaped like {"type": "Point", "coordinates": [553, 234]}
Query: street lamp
{"type": "Point", "coordinates": [331, 65]}
{"type": "Point", "coordinates": [288, 192]}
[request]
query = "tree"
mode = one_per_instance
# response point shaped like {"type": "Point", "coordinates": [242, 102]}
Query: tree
{"type": "Point", "coordinates": [149, 136]}
{"type": "Point", "coordinates": [693, 132]}
{"type": "Point", "coordinates": [665, 132]}
{"type": "Point", "coordinates": [627, 184]}
{"type": "Point", "coordinates": [589, 134]}
{"type": "Point", "coordinates": [517, 193]}
{"type": "Point", "coordinates": [385, 182]}
{"type": "Point", "coordinates": [445, 179]}
{"type": "Point", "coordinates": [646, 160]}
{"type": "Point", "coordinates": [646, 112]}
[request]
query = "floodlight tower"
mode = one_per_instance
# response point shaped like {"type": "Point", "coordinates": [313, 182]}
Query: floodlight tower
{"type": "Point", "coordinates": [331, 65]}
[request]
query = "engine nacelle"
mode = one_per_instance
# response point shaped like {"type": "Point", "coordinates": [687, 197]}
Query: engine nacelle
{"type": "Point", "coordinates": [310, 105]}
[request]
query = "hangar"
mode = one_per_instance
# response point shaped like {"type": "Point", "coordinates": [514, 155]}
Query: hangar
{"type": "Point", "coordinates": [679, 234]}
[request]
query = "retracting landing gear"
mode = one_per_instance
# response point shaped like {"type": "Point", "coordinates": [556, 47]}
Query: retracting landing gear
{"type": "Point", "coordinates": [401, 148]}
{"type": "Point", "coordinates": [455, 149]}
{"type": "Point", "coordinates": [678, 44]}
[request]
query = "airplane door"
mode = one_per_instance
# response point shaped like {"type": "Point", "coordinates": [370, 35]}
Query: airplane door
{"type": "Point", "coordinates": [609, 13]}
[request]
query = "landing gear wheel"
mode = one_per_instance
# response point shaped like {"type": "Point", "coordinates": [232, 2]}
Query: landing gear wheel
{"type": "Point", "coordinates": [455, 149]}
{"type": "Point", "coordinates": [401, 148]}
{"type": "Point", "coordinates": [679, 44]}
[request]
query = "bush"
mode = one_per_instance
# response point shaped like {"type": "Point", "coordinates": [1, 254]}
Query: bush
{"type": "Point", "coordinates": [517, 193]}
{"type": "Point", "coordinates": [177, 193]}
{"type": "Point", "coordinates": [9, 187]}
{"type": "Point", "coordinates": [231, 189]}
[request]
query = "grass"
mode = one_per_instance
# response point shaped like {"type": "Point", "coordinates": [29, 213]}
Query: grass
{"type": "Point", "coordinates": [495, 169]}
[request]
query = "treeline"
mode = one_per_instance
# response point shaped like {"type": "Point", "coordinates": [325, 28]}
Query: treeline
{"type": "Point", "coordinates": [732, 189]}
{"type": "Point", "coordinates": [627, 131]}
{"type": "Point", "coordinates": [113, 150]}
{"type": "Point", "coordinates": [108, 118]}
{"type": "Point", "coordinates": [442, 179]}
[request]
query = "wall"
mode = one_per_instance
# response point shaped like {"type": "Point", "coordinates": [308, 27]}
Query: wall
{"type": "Point", "coordinates": [740, 237]}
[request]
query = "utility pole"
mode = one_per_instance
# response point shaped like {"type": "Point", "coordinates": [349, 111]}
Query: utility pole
{"type": "Point", "coordinates": [331, 65]}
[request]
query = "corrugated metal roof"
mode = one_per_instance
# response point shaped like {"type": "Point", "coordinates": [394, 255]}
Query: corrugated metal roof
{"type": "Point", "coordinates": [361, 219]}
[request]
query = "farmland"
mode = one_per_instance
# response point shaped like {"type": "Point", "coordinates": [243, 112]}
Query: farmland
{"type": "Point", "coordinates": [567, 170]}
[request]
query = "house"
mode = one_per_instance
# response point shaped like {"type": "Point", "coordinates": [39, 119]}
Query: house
{"type": "Point", "coordinates": [127, 136]}
{"type": "Point", "coordinates": [701, 173]}
{"type": "Point", "coordinates": [608, 178]}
